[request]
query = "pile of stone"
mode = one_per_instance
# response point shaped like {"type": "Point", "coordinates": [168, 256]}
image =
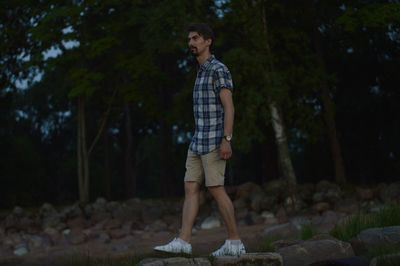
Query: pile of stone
{"type": "Point", "coordinates": [320, 206]}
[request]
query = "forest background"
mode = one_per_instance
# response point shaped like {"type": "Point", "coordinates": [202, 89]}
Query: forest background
{"type": "Point", "coordinates": [96, 96]}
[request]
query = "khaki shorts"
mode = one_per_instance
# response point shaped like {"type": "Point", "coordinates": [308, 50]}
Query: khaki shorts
{"type": "Point", "coordinates": [209, 167]}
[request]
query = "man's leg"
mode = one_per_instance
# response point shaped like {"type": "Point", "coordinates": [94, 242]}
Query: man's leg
{"type": "Point", "coordinates": [226, 210]}
{"type": "Point", "coordinates": [190, 209]}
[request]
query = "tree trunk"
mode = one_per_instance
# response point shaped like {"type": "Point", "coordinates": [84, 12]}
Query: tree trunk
{"type": "Point", "coordinates": [283, 149]}
{"type": "Point", "coordinates": [129, 159]}
{"type": "Point", "coordinates": [277, 120]}
{"type": "Point", "coordinates": [107, 165]}
{"type": "Point", "coordinates": [167, 171]}
{"type": "Point", "coordinates": [329, 116]}
{"type": "Point", "coordinates": [82, 154]}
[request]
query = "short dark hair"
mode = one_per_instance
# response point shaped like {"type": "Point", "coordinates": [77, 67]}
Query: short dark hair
{"type": "Point", "coordinates": [203, 30]}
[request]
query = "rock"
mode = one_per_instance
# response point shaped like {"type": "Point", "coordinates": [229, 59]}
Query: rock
{"type": "Point", "coordinates": [327, 192]}
{"type": "Point", "coordinates": [47, 209]}
{"type": "Point", "coordinates": [282, 231]}
{"type": "Point", "coordinates": [247, 189]}
{"type": "Point", "coordinates": [51, 221]}
{"type": "Point", "coordinates": [321, 207]}
{"type": "Point", "coordinates": [300, 221]}
{"type": "Point", "coordinates": [240, 203]}
{"type": "Point", "coordinates": [72, 211]}
{"type": "Point", "coordinates": [306, 191]}
{"type": "Point", "coordinates": [256, 201]}
{"type": "Point", "coordinates": [379, 237]}
{"type": "Point", "coordinates": [119, 233]}
{"type": "Point", "coordinates": [11, 222]}
{"type": "Point", "coordinates": [151, 262]}
{"type": "Point", "coordinates": [210, 222]}
{"type": "Point", "coordinates": [99, 204]}
{"type": "Point", "coordinates": [103, 238]}
{"type": "Point", "coordinates": [75, 237]}
{"type": "Point", "coordinates": [113, 205]}
{"type": "Point", "coordinates": [37, 242]}
{"type": "Point", "coordinates": [254, 218]}
{"type": "Point", "coordinates": [348, 206]}
{"type": "Point", "coordinates": [157, 226]}
{"type": "Point", "coordinates": [281, 215]}
{"type": "Point", "coordinates": [391, 193]}
{"type": "Point", "coordinates": [327, 221]}
{"type": "Point", "coordinates": [269, 218]}
{"type": "Point", "coordinates": [267, 259]}
{"type": "Point", "coordinates": [18, 211]}
{"type": "Point", "coordinates": [276, 188]}
{"type": "Point", "coordinates": [307, 252]}
{"type": "Point", "coordinates": [365, 194]}
{"type": "Point", "coordinates": [152, 214]}
{"type": "Point", "coordinates": [53, 234]}
{"type": "Point", "coordinates": [284, 243]}
{"type": "Point", "coordinates": [112, 224]}
{"type": "Point", "coordinates": [21, 249]}
{"type": "Point", "coordinates": [12, 240]}
{"type": "Point", "coordinates": [99, 216]}
{"type": "Point", "coordinates": [351, 261]}
{"type": "Point", "coordinates": [78, 222]}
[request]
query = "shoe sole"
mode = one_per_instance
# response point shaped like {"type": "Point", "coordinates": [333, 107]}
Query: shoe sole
{"type": "Point", "coordinates": [169, 252]}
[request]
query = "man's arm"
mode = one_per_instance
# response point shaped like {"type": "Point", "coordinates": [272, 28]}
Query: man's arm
{"type": "Point", "coordinates": [229, 112]}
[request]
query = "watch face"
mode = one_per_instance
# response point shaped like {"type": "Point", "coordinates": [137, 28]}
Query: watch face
{"type": "Point", "coordinates": [228, 138]}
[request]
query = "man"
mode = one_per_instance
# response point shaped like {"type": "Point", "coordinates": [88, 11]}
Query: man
{"type": "Point", "coordinates": [210, 146]}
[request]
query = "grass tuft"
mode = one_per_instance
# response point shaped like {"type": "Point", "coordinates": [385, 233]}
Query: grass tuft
{"type": "Point", "coordinates": [388, 216]}
{"type": "Point", "coordinates": [307, 232]}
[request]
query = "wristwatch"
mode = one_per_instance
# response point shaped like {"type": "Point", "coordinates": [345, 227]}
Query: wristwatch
{"type": "Point", "coordinates": [228, 138]}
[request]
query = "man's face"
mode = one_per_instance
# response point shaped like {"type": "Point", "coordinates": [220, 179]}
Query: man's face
{"type": "Point", "coordinates": [197, 44]}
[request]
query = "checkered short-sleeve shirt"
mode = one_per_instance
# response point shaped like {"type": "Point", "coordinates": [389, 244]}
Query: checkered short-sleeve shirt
{"type": "Point", "coordinates": [212, 76]}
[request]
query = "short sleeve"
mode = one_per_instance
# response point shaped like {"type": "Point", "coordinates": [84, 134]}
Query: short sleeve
{"type": "Point", "coordinates": [222, 79]}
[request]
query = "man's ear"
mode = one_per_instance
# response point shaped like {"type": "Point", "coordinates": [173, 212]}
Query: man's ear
{"type": "Point", "coordinates": [209, 41]}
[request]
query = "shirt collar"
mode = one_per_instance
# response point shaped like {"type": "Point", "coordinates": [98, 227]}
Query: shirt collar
{"type": "Point", "coordinates": [207, 63]}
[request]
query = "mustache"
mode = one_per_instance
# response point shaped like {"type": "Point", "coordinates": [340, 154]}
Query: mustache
{"type": "Point", "coordinates": [189, 49]}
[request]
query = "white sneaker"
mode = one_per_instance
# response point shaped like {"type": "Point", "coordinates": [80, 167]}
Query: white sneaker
{"type": "Point", "coordinates": [230, 249]}
{"type": "Point", "coordinates": [176, 246]}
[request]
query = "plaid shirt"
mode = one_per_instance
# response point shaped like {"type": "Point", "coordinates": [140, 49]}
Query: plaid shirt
{"type": "Point", "coordinates": [212, 76]}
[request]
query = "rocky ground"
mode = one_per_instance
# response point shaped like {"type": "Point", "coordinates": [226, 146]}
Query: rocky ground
{"type": "Point", "coordinates": [50, 235]}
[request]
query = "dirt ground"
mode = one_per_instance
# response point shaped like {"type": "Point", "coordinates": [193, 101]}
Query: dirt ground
{"type": "Point", "coordinates": [203, 243]}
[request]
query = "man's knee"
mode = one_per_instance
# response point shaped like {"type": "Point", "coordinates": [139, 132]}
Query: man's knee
{"type": "Point", "coordinates": [192, 188]}
{"type": "Point", "coordinates": [216, 191]}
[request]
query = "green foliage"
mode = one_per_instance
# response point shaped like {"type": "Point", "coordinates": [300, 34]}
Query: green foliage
{"type": "Point", "coordinates": [387, 216]}
{"type": "Point", "coordinates": [307, 232]}
{"type": "Point", "coordinates": [372, 15]}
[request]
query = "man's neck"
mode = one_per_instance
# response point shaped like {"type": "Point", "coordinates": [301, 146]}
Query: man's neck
{"type": "Point", "coordinates": [203, 57]}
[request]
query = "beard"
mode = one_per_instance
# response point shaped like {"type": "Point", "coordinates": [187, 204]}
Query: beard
{"type": "Point", "coordinates": [193, 51]}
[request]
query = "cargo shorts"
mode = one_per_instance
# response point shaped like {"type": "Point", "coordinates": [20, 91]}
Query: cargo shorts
{"type": "Point", "coordinates": [209, 167]}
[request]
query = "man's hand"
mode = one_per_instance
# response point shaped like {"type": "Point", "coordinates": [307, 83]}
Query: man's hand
{"type": "Point", "coordinates": [225, 151]}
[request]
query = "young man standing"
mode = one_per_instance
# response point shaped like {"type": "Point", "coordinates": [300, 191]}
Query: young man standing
{"type": "Point", "coordinates": [211, 144]}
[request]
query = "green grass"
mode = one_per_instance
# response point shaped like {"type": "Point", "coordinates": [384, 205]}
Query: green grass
{"type": "Point", "coordinates": [266, 245]}
{"type": "Point", "coordinates": [388, 216]}
{"type": "Point", "coordinates": [388, 261]}
{"type": "Point", "coordinates": [307, 232]}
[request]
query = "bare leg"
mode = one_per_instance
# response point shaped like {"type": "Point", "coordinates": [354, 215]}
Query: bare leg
{"type": "Point", "coordinates": [190, 209]}
{"type": "Point", "coordinates": [226, 210]}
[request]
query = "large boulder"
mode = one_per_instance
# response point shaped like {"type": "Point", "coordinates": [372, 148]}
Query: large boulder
{"type": "Point", "coordinates": [307, 252]}
{"type": "Point", "coordinates": [265, 259]}
{"type": "Point", "coordinates": [282, 231]}
{"type": "Point", "coordinates": [210, 222]}
{"type": "Point", "coordinates": [247, 189]}
{"type": "Point", "coordinates": [375, 238]}
{"type": "Point", "coordinates": [327, 192]}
